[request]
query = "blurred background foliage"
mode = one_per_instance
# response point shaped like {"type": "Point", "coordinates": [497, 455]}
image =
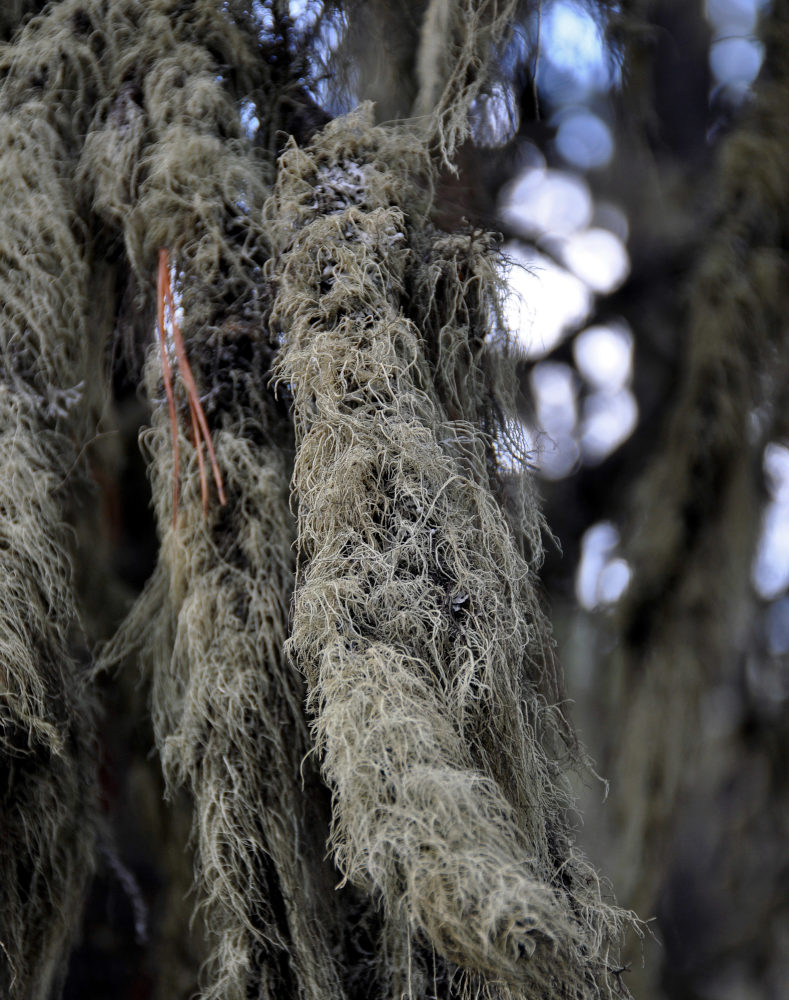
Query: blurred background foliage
{"type": "Point", "coordinates": [600, 152]}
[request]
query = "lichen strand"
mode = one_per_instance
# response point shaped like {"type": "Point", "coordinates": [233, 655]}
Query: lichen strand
{"type": "Point", "coordinates": [456, 45]}
{"type": "Point", "coordinates": [48, 793]}
{"type": "Point", "coordinates": [414, 615]}
{"type": "Point", "coordinates": [211, 624]}
{"type": "Point", "coordinates": [229, 722]}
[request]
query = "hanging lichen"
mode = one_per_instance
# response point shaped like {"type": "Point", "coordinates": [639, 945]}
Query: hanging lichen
{"type": "Point", "coordinates": [414, 619]}
{"type": "Point", "coordinates": [227, 708]}
{"type": "Point", "coordinates": [48, 797]}
{"type": "Point", "coordinates": [422, 684]}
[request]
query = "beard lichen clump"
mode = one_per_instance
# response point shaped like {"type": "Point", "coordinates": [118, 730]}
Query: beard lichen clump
{"type": "Point", "coordinates": [48, 791]}
{"type": "Point", "coordinates": [212, 621]}
{"type": "Point", "coordinates": [227, 713]}
{"type": "Point", "coordinates": [411, 611]}
{"type": "Point", "coordinates": [417, 640]}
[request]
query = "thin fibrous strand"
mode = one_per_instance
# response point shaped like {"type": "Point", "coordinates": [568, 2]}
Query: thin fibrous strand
{"type": "Point", "coordinates": [167, 377]}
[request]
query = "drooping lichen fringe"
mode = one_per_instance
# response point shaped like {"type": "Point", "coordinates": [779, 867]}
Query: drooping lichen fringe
{"type": "Point", "coordinates": [227, 709]}
{"type": "Point", "coordinates": [48, 797]}
{"type": "Point", "coordinates": [453, 296]}
{"type": "Point", "coordinates": [428, 60]}
{"type": "Point", "coordinates": [457, 42]}
{"type": "Point", "coordinates": [412, 614]}
{"type": "Point", "coordinates": [133, 92]}
{"type": "Point", "coordinates": [229, 722]}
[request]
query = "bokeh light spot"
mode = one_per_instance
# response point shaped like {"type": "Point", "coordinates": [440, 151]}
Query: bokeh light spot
{"type": "Point", "coordinates": [543, 302]}
{"type": "Point", "coordinates": [583, 139]}
{"type": "Point", "coordinates": [597, 257]}
{"type": "Point", "coordinates": [604, 355]}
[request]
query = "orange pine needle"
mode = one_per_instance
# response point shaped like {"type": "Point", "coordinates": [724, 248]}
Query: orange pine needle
{"type": "Point", "coordinates": [200, 428]}
{"type": "Point", "coordinates": [200, 459]}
